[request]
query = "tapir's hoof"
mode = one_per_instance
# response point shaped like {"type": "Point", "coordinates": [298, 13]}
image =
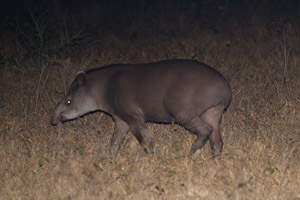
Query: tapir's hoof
{"type": "Point", "coordinates": [113, 151]}
{"type": "Point", "coordinates": [192, 152]}
{"type": "Point", "coordinates": [216, 150]}
{"type": "Point", "coordinates": [216, 155]}
{"type": "Point", "coordinates": [149, 147]}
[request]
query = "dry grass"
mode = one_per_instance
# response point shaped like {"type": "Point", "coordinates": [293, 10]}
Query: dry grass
{"type": "Point", "coordinates": [261, 157]}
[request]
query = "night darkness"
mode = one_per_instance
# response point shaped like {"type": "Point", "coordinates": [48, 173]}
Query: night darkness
{"type": "Point", "coordinates": [254, 44]}
{"type": "Point", "coordinates": [134, 19]}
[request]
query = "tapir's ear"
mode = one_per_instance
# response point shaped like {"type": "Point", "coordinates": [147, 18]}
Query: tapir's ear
{"type": "Point", "coordinates": [81, 78]}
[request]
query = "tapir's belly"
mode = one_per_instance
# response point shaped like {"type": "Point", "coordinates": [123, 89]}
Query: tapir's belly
{"type": "Point", "coordinates": [171, 105]}
{"type": "Point", "coordinates": [160, 118]}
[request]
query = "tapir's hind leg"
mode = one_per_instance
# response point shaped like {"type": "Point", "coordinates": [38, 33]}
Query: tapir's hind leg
{"type": "Point", "coordinates": [202, 130]}
{"type": "Point", "coordinates": [121, 129]}
{"type": "Point", "coordinates": [207, 127]}
{"type": "Point", "coordinates": [213, 117]}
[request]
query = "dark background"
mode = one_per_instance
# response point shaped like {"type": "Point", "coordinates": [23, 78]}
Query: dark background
{"type": "Point", "coordinates": [138, 18]}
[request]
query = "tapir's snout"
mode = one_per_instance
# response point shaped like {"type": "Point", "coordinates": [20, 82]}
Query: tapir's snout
{"type": "Point", "coordinates": [55, 118]}
{"type": "Point", "coordinates": [53, 122]}
{"type": "Point", "coordinates": [59, 116]}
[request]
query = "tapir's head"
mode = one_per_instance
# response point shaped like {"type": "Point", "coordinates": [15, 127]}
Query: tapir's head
{"type": "Point", "coordinates": [77, 102]}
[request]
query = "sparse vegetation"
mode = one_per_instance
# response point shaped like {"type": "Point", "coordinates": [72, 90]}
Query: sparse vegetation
{"type": "Point", "coordinates": [37, 45]}
{"type": "Point", "coordinates": [256, 49]}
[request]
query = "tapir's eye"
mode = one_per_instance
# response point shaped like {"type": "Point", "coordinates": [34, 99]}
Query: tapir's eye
{"type": "Point", "coordinates": [68, 102]}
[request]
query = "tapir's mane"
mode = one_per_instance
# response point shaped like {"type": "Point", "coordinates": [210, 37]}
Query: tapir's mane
{"type": "Point", "coordinates": [103, 68]}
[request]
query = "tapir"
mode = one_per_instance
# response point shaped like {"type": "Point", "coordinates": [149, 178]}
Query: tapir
{"type": "Point", "coordinates": [186, 92]}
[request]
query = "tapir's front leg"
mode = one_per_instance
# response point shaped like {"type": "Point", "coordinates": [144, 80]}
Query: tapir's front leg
{"type": "Point", "coordinates": [140, 132]}
{"type": "Point", "coordinates": [121, 129]}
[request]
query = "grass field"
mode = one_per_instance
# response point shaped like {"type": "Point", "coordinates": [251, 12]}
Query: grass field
{"type": "Point", "coordinates": [257, 50]}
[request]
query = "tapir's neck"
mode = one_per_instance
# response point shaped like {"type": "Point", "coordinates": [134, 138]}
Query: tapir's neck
{"type": "Point", "coordinates": [98, 89]}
